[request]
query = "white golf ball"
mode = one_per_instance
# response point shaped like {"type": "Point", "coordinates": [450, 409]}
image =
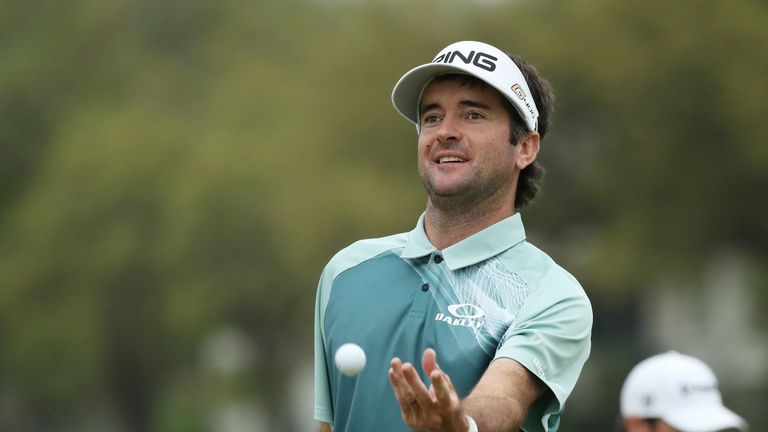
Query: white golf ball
{"type": "Point", "coordinates": [350, 359]}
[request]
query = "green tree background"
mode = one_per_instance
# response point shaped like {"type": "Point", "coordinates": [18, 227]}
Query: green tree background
{"type": "Point", "coordinates": [174, 175]}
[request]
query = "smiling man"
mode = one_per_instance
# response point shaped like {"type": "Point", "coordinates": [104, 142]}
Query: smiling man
{"type": "Point", "coordinates": [466, 325]}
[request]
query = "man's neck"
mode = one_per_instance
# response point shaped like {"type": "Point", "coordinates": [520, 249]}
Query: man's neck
{"type": "Point", "coordinates": [446, 226]}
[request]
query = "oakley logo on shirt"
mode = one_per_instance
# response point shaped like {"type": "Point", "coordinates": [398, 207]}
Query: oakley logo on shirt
{"type": "Point", "coordinates": [465, 315]}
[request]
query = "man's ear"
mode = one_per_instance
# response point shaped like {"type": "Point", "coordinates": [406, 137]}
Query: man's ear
{"type": "Point", "coordinates": [528, 149]}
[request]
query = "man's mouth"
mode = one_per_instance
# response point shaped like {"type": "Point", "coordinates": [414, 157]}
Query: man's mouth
{"type": "Point", "coordinates": [450, 159]}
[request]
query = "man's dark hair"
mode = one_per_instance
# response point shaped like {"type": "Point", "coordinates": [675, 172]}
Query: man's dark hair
{"type": "Point", "coordinates": [531, 177]}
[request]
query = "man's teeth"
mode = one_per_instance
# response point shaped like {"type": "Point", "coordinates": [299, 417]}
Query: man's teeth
{"type": "Point", "coordinates": [450, 159]}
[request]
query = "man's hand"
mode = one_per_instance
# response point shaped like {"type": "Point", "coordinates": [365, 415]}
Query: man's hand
{"type": "Point", "coordinates": [437, 409]}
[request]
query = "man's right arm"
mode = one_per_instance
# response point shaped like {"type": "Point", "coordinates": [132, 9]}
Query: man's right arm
{"type": "Point", "coordinates": [325, 427]}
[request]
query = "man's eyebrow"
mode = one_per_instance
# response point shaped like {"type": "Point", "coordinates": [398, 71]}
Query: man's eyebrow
{"type": "Point", "coordinates": [467, 103]}
{"type": "Point", "coordinates": [474, 104]}
{"type": "Point", "coordinates": [429, 107]}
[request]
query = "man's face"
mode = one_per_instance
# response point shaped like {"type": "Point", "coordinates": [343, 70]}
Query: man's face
{"type": "Point", "coordinates": [464, 148]}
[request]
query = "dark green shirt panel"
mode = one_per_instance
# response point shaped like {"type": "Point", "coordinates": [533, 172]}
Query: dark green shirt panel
{"type": "Point", "coordinates": [381, 305]}
{"type": "Point", "coordinates": [370, 305]}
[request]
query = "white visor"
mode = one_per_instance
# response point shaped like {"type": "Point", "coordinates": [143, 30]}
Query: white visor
{"type": "Point", "coordinates": [478, 59]}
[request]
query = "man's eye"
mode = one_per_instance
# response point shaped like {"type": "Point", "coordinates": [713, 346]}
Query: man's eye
{"type": "Point", "coordinates": [430, 118]}
{"type": "Point", "coordinates": [474, 115]}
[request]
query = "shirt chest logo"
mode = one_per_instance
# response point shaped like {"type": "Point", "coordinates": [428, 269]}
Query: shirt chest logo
{"type": "Point", "coordinates": [464, 315]}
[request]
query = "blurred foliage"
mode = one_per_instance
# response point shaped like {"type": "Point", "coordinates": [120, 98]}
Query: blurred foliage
{"type": "Point", "coordinates": [171, 168]}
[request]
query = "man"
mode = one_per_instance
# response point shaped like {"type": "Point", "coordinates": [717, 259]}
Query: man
{"type": "Point", "coordinates": [673, 392]}
{"type": "Point", "coordinates": [466, 326]}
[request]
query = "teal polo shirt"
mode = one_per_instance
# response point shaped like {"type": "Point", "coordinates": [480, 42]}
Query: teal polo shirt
{"type": "Point", "coordinates": [491, 295]}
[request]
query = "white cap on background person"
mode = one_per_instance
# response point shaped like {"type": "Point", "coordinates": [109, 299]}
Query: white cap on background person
{"type": "Point", "coordinates": [680, 390]}
{"type": "Point", "coordinates": [478, 59]}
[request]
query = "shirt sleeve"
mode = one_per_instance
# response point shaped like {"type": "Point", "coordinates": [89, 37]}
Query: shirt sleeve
{"type": "Point", "coordinates": [323, 404]}
{"type": "Point", "coordinates": [551, 338]}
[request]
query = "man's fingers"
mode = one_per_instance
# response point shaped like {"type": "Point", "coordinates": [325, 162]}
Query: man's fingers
{"type": "Point", "coordinates": [400, 385]}
{"type": "Point", "coordinates": [417, 388]}
{"type": "Point", "coordinates": [422, 408]}
{"type": "Point", "coordinates": [429, 361]}
{"type": "Point", "coordinates": [443, 388]}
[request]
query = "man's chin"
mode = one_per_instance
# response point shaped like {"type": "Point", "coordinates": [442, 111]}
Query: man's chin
{"type": "Point", "coordinates": [450, 195]}
{"type": "Point", "coordinates": [445, 187]}
{"type": "Point", "coordinates": [447, 191]}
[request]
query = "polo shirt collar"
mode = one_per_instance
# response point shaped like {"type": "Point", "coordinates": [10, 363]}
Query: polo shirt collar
{"type": "Point", "coordinates": [476, 248]}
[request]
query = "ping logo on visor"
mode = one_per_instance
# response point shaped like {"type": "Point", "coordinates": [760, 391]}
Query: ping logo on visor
{"type": "Point", "coordinates": [479, 59]}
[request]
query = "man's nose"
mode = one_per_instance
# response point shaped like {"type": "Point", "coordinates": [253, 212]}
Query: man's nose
{"type": "Point", "coordinates": [449, 129]}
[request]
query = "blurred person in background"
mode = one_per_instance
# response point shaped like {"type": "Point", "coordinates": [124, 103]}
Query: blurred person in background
{"type": "Point", "coordinates": [469, 325]}
{"type": "Point", "coordinates": [673, 392]}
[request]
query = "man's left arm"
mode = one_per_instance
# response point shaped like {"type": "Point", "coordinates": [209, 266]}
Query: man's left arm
{"type": "Point", "coordinates": [499, 402]}
{"type": "Point", "coordinates": [536, 366]}
{"type": "Point", "coordinates": [501, 399]}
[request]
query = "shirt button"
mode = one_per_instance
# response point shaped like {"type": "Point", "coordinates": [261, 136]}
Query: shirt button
{"type": "Point", "coordinates": [425, 287]}
{"type": "Point", "coordinates": [438, 259]}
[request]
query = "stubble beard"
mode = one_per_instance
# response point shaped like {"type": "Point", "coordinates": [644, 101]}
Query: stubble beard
{"type": "Point", "coordinates": [464, 199]}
